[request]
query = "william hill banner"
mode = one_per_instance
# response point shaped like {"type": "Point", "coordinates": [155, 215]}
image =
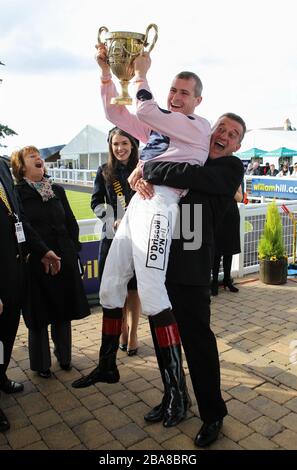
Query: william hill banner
{"type": "Point", "coordinates": [89, 259]}
{"type": "Point", "coordinates": [281, 188]}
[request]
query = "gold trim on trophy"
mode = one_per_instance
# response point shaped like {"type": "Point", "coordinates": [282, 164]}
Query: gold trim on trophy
{"type": "Point", "coordinates": [122, 48]}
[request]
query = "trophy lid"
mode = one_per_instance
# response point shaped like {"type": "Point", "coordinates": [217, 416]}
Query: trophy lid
{"type": "Point", "coordinates": [124, 35]}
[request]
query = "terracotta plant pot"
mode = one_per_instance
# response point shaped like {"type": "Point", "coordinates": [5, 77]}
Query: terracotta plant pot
{"type": "Point", "coordinates": [274, 272]}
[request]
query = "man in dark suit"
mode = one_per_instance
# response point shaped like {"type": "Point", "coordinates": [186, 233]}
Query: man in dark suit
{"type": "Point", "coordinates": [13, 234]}
{"type": "Point", "coordinates": [188, 275]}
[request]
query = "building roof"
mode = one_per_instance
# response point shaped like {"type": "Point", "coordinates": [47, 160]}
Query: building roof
{"type": "Point", "coordinates": [50, 151]}
{"type": "Point", "coordinates": [88, 140]}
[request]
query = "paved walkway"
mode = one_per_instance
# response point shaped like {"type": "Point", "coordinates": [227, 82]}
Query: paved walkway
{"type": "Point", "coordinates": [255, 329]}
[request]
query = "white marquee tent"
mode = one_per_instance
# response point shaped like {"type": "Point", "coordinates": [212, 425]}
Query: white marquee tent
{"type": "Point", "coordinates": [87, 150]}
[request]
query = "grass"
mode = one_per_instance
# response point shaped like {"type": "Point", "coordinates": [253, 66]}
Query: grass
{"type": "Point", "coordinates": [80, 204]}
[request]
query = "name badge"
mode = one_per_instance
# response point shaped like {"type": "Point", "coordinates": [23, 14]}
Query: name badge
{"type": "Point", "coordinates": [19, 231]}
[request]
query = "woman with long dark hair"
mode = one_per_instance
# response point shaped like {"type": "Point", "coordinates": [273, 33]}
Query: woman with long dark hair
{"type": "Point", "coordinates": [111, 195]}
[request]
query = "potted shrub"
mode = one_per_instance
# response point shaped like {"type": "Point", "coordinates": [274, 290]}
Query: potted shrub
{"type": "Point", "coordinates": [272, 256]}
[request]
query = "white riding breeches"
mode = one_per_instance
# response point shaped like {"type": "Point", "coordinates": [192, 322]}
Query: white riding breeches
{"type": "Point", "coordinates": [142, 243]}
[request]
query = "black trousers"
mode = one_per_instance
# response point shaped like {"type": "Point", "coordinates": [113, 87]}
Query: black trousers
{"type": "Point", "coordinates": [227, 262]}
{"type": "Point", "coordinates": [191, 308]}
{"type": "Point", "coordinates": [39, 349]}
{"type": "Point", "coordinates": [9, 322]}
{"type": "Point", "coordinates": [10, 318]}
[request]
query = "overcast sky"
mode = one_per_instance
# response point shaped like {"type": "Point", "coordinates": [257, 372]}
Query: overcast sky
{"type": "Point", "coordinates": [245, 52]}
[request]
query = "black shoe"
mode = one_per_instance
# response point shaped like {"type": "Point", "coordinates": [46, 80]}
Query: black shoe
{"type": "Point", "coordinates": [174, 415]}
{"type": "Point", "coordinates": [230, 286]}
{"type": "Point", "coordinates": [66, 366]}
{"type": "Point", "coordinates": [45, 374]}
{"type": "Point", "coordinates": [214, 288]}
{"type": "Point", "coordinates": [123, 347]}
{"type": "Point", "coordinates": [132, 352]}
{"type": "Point", "coordinates": [4, 423]}
{"type": "Point", "coordinates": [157, 413]}
{"type": "Point", "coordinates": [97, 375]}
{"type": "Point", "coordinates": [208, 433]}
{"type": "Point", "coordinates": [10, 386]}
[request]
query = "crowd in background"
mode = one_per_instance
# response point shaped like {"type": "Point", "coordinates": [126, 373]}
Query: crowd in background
{"type": "Point", "coordinates": [270, 169]}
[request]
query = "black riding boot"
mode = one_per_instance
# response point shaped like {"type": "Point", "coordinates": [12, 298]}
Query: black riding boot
{"type": "Point", "coordinates": [107, 370]}
{"type": "Point", "coordinates": [157, 413]}
{"type": "Point", "coordinates": [176, 401]}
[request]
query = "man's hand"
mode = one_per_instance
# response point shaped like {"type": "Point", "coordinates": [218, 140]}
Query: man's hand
{"type": "Point", "coordinates": [135, 176]}
{"type": "Point", "coordinates": [144, 189]}
{"type": "Point", "coordinates": [142, 64]}
{"type": "Point", "coordinates": [1, 306]}
{"type": "Point", "coordinates": [51, 263]}
{"type": "Point", "coordinates": [101, 58]}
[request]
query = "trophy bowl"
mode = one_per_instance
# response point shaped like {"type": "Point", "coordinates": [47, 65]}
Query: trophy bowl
{"type": "Point", "coordinates": [122, 48]}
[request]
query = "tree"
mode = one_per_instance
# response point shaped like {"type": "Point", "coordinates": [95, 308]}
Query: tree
{"type": "Point", "coordinates": [4, 132]}
{"type": "Point", "coordinates": [271, 245]}
{"type": "Point", "coordinates": [1, 63]}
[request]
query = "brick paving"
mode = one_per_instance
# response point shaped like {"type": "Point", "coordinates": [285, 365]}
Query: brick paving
{"type": "Point", "coordinates": [255, 330]}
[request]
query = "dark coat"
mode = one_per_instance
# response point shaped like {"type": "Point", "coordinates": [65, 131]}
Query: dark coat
{"type": "Point", "coordinates": [271, 173]}
{"type": "Point", "coordinates": [227, 237]}
{"type": "Point", "coordinates": [104, 192]}
{"type": "Point", "coordinates": [11, 269]}
{"type": "Point", "coordinates": [213, 186]}
{"type": "Point", "coordinates": [60, 297]}
{"type": "Point", "coordinates": [11, 252]}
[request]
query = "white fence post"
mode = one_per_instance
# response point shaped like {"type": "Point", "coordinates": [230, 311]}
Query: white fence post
{"type": "Point", "coordinates": [242, 213]}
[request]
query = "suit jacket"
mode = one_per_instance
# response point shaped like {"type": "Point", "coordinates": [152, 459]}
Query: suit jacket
{"type": "Point", "coordinates": [10, 250]}
{"type": "Point", "coordinates": [213, 187]}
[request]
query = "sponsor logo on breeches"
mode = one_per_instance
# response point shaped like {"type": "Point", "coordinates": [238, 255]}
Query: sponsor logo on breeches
{"type": "Point", "coordinates": [157, 245]}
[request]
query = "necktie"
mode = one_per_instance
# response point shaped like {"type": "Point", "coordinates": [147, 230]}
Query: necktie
{"type": "Point", "coordinates": [3, 197]}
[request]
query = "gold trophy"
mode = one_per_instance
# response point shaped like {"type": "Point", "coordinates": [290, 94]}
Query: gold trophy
{"type": "Point", "coordinates": [122, 48]}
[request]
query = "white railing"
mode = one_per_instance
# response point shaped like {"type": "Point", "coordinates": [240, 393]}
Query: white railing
{"type": "Point", "coordinates": [245, 262]}
{"type": "Point", "coordinates": [87, 178]}
{"type": "Point", "coordinates": [79, 177]}
{"type": "Point", "coordinates": [89, 229]}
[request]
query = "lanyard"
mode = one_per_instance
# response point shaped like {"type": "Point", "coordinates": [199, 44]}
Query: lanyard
{"type": "Point", "coordinates": [120, 193]}
{"type": "Point", "coordinates": [3, 197]}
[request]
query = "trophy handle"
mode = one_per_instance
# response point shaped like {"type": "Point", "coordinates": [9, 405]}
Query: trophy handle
{"type": "Point", "coordinates": [145, 42]}
{"type": "Point", "coordinates": [103, 28]}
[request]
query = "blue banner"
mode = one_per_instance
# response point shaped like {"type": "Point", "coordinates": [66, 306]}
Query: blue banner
{"type": "Point", "coordinates": [282, 188]}
{"type": "Point", "coordinates": [89, 259]}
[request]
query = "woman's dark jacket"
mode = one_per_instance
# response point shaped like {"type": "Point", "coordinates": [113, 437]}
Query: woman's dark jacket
{"type": "Point", "coordinates": [227, 237]}
{"type": "Point", "coordinates": [60, 297]}
{"type": "Point", "coordinates": [104, 192]}
{"type": "Point", "coordinates": [107, 192]}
